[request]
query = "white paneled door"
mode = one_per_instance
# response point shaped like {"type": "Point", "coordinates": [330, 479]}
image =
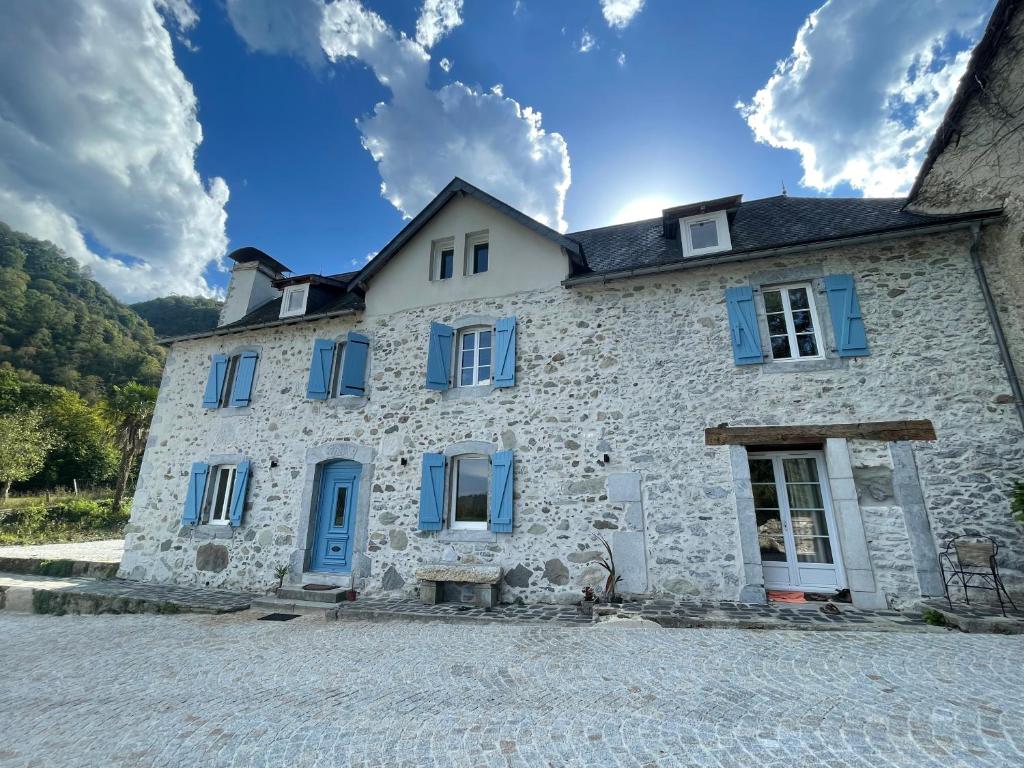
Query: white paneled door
{"type": "Point", "coordinates": [796, 530]}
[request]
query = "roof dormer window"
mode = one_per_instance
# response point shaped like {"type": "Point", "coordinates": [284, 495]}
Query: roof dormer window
{"type": "Point", "coordinates": [293, 302]}
{"type": "Point", "coordinates": [705, 234]}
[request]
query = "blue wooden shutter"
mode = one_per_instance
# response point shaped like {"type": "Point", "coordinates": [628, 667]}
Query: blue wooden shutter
{"type": "Point", "coordinates": [196, 493]}
{"type": "Point", "coordinates": [353, 372]}
{"type": "Point", "coordinates": [432, 492]}
{"type": "Point", "coordinates": [505, 352]}
{"type": "Point", "coordinates": [320, 367]}
{"type": "Point", "coordinates": [241, 392]}
{"type": "Point", "coordinates": [746, 341]}
{"type": "Point", "coordinates": [501, 492]}
{"type": "Point", "coordinates": [439, 356]}
{"type": "Point", "coordinates": [851, 338]}
{"type": "Point", "coordinates": [215, 381]}
{"type": "Point", "coordinates": [237, 508]}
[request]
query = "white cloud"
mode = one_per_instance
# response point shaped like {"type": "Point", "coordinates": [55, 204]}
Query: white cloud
{"type": "Point", "coordinates": [619, 13]}
{"type": "Point", "coordinates": [621, 59]}
{"type": "Point", "coordinates": [865, 88]}
{"type": "Point", "coordinates": [587, 42]}
{"type": "Point", "coordinates": [421, 137]}
{"type": "Point", "coordinates": [273, 26]}
{"type": "Point", "coordinates": [445, 64]}
{"type": "Point", "coordinates": [437, 19]}
{"type": "Point", "coordinates": [98, 134]}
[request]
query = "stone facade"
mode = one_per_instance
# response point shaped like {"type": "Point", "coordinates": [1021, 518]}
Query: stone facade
{"type": "Point", "coordinates": [615, 385]}
{"type": "Point", "coordinates": [983, 165]}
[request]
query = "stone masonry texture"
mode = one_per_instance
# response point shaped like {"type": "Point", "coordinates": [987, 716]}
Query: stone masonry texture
{"type": "Point", "coordinates": [635, 370]}
{"type": "Point", "coordinates": [230, 691]}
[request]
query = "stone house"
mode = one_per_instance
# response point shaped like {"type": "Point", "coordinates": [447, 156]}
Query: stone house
{"type": "Point", "coordinates": [788, 393]}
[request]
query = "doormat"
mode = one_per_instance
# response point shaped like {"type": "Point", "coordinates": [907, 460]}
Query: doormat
{"type": "Point", "coordinates": [319, 587]}
{"type": "Point", "coordinates": [278, 617]}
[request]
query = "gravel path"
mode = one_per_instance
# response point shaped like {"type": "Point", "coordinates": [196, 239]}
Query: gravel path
{"type": "Point", "coordinates": [106, 551]}
{"type": "Point", "coordinates": [232, 691]}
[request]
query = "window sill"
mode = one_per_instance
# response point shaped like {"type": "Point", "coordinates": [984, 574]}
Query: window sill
{"type": "Point", "coordinates": [228, 412]}
{"type": "Point", "coordinates": [346, 402]}
{"type": "Point", "coordinates": [467, 536]}
{"type": "Point", "coordinates": [804, 366]}
{"type": "Point", "coordinates": [468, 393]}
{"type": "Point", "coordinates": [208, 531]}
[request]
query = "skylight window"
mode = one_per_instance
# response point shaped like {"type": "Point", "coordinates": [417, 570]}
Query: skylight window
{"type": "Point", "coordinates": [705, 234]}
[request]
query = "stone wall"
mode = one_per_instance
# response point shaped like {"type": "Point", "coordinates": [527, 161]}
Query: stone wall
{"type": "Point", "coordinates": [633, 371]}
{"type": "Point", "coordinates": [983, 165]}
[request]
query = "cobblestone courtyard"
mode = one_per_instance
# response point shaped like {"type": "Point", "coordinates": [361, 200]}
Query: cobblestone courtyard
{"type": "Point", "coordinates": [232, 691]}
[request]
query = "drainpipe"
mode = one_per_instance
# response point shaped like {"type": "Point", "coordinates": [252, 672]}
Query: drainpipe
{"type": "Point", "coordinates": [997, 327]}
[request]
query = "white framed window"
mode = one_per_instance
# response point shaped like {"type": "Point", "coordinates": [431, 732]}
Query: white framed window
{"type": "Point", "coordinates": [442, 259]}
{"type": "Point", "coordinates": [229, 381]}
{"type": "Point", "coordinates": [478, 251]}
{"type": "Point", "coordinates": [793, 331]}
{"type": "Point", "coordinates": [467, 494]}
{"type": "Point", "coordinates": [217, 507]}
{"type": "Point", "coordinates": [338, 367]}
{"type": "Point", "coordinates": [293, 302]}
{"type": "Point", "coordinates": [704, 234]}
{"type": "Point", "coordinates": [473, 362]}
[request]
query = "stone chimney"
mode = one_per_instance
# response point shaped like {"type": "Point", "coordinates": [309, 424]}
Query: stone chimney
{"type": "Point", "coordinates": [251, 283]}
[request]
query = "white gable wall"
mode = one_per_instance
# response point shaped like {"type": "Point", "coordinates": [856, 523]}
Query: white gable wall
{"type": "Point", "coordinates": [520, 260]}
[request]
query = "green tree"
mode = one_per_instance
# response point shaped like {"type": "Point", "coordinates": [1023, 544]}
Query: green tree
{"type": "Point", "coordinates": [129, 410]}
{"type": "Point", "coordinates": [24, 443]}
{"type": "Point", "coordinates": [179, 315]}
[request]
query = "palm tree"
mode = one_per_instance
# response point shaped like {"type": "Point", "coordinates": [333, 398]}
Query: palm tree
{"type": "Point", "coordinates": [129, 410]}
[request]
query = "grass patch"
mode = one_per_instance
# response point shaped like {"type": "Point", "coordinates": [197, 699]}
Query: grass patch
{"type": "Point", "coordinates": [54, 567]}
{"type": "Point", "coordinates": [69, 520]}
{"type": "Point", "coordinates": [934, 618]}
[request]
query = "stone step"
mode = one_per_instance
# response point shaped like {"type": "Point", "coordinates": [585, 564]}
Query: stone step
{"type": "Point", "coordinates": [300, 595]}
{"type": "Point", "coordinates": [278, 605]}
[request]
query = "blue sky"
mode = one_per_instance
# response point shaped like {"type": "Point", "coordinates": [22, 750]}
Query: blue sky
{"type": "Point", "coordinates": [160, 134]}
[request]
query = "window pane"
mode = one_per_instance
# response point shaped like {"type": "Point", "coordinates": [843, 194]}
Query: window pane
{"type": "Point", "coordinates": [804, 496]}
{"type": "Point", "coordinates": [800, 470]}
{"type": "Point", "coordinates": [807, 345]}
{"type": "Point", "coordinates": [813, 550]}
{"type": "Point", "coordinates": [447, 263]}
{"type": "Point", "coordinates": [780, 347]}
{"type": "Point", "coordinates": [773, 301]}
{"type": "Point", "coordinates": [485, 339]}
{"type": "Point", "coordinates": [802, 321]}
{"type": "Point", "coordinates": [339, 354]}
{"type": "Point", "coordinates": [484, 374]}
{"type": "Point", "coordinates": [761, 471]}
{"type": "Point", "coordinates": [223, 493]}
{"type": "Point", "coordinates": [469, 341]}
{"type": "Point", "coordinates": [295, 300]}
{"type": "Point", "coordinates": [809, 522]}
{"type": "Point", "coordinates": [339, 507]}
{"type": "Point", "coordinates": [776, 324]}
{"type": "Point", "coordinates": [798, 298]}
{"type": "Point", "coordinates": [229, 381]}
{"type": "Point", "coordinates": [466, 378]}
{"type": "Point", "coordinates": [703, 234]}
{"type": "Point", "coordinates": [769, 536]}
{"type": "Point", "coordinates": [485, 357]}
{"type": "Point", "coordinates": [480, 254]}
{"type": "Point", "coordinates": [467, 358]}
{"type": "Point", "coordinates": [471, 490]}
{"type": "Point", "coordinates": [765, 496]}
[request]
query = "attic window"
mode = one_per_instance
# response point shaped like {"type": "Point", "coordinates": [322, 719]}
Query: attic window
{"type": "Point", "coordinates": [705, 233]}
{"type": "Point", "coordinates": [293, 303]}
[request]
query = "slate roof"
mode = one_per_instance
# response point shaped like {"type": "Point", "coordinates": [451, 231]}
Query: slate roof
{"type": "Point", "coordinates": [758, 225]}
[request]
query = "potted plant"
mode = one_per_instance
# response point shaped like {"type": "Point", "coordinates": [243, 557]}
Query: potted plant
{"type": "Point", "coordinates": [279, 573]}
{"type": "Point", "coordinates": [586, 605]}
{"type": "Point", "coordinates": [608, 563]}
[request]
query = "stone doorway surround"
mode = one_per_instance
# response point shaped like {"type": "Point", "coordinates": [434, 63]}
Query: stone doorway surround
{"type": "Point", "coordinates": [316, 457]}
{"type": "Point", "coordinates": [853, 542]}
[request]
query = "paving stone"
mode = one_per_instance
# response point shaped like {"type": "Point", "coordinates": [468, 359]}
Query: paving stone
{"type": "Point", "coordinates": [230, 691]}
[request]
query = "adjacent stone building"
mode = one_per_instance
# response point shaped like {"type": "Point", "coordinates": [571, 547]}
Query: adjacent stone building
{"type": "Point", "coordinates": [794, 394]}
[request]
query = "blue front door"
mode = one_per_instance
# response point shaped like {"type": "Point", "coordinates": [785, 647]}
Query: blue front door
{"type": "Point", "coordinates": [335, 519]}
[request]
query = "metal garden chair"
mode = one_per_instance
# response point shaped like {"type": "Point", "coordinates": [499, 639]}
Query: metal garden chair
{"type": "Point", "coordinates": [971, 562]}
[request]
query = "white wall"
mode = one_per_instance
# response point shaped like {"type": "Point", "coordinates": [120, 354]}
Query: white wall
{"type": "Point", "coordinates": [519, 260]}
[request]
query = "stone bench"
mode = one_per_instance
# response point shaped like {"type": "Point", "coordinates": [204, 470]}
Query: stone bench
{"type": "Point", "coordinates": [477, 583]}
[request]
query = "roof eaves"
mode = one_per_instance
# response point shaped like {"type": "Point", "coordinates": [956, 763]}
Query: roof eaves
{"type": "Point", "coordinates": [227, 330]}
